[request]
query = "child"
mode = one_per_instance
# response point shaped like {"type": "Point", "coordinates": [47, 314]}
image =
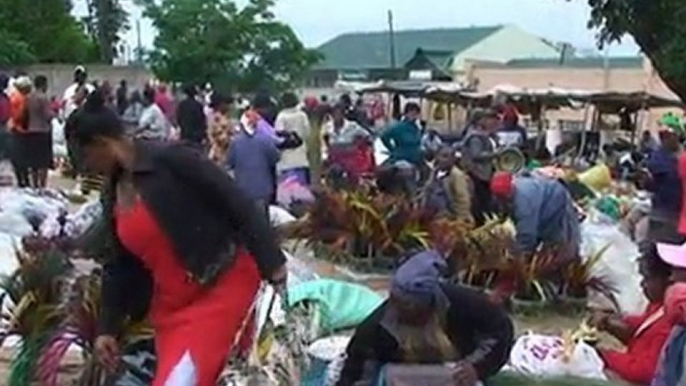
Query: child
{"type": "Point", "coordinates": [448, 191]}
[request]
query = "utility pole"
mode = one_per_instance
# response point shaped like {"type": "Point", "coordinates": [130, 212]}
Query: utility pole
{"type": "Point", "coordinates": [139, 49]}
{"type": "Point", "coordinates": [391, 36]}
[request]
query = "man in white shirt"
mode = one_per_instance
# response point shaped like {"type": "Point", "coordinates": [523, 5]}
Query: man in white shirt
{"type": "Point", "coordinates": [69, 99]}
{"type": "Point", "coordinates": [292, 119]}
{"type": "Point", "coordinates": [153, 124]}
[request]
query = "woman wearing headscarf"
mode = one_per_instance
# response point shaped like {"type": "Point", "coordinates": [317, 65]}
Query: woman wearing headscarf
{"type": "Point", "coordinates": [428, 332]}
{"type": "Point", "coordinates": [195, 271]}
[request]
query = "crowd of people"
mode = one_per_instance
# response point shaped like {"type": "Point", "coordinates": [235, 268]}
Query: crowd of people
{"type": "Point", "coordinates": [152, 152]}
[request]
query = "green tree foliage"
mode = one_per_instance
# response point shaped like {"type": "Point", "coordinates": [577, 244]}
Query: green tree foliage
{"type": "Point", "coordinates": [216, 41]}
{"type": "Point", "coordinates": [13, 50]}
{"type": "Point", "coordinates": [42, 31]}
{"type": "Point", "coordinates": [106, 20]}
{"type": "Point", "coordinates": [657, 26]}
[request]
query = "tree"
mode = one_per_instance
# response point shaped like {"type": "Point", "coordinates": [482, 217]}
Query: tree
{"type": "Point", "coordinates": [106, 20]}
{"type": "Point", "coordinates": [44, 31]}
{"type": "Point", "coordinates": [658, 28]}
{"type": "Point", "coordinates": [215, 41]}
{"type": "Point", "coordinates": [14, 51]}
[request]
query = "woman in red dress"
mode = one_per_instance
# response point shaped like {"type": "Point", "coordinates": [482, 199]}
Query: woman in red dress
{"type": "Point", "coordinates": [187, 249]}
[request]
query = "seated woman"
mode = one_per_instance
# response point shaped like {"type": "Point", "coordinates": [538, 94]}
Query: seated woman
{"type": "Point", "coordinates": [644, 335]}
{"type": "Point", "coordinates": [428, 332]}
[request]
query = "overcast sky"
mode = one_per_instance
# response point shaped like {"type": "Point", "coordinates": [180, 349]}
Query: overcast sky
{"type": "Point", "coordinates": [316, 21]}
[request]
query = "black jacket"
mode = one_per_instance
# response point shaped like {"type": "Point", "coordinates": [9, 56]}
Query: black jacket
{"type": "Point", "coordinates": [479, 329]}
{"type": "Point", "coordinates": [204, 214]}
{"type": "Point", "coordinates": [192, 120]}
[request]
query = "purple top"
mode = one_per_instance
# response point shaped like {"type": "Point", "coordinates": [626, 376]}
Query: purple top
{"type": "Point", "coordinates": [263, 127]}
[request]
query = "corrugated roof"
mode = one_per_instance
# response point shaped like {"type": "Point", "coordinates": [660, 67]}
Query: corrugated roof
{"type": "Point", "coordinates": [592, 62]}
{"type": "Point", "coordinates": [371, 49]}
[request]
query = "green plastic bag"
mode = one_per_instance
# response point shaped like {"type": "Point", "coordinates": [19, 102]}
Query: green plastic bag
{"type": "Point", "coordinates": [342, 305]}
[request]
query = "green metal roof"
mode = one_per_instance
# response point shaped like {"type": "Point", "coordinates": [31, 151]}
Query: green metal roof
{"type": "Point", "coordinates": [592, 62]}
{"type": "Point", "coordinates": [371, 49]}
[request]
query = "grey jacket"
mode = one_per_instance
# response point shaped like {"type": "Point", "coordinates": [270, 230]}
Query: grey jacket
{"type": "Point", "coordinates": [478, 152]}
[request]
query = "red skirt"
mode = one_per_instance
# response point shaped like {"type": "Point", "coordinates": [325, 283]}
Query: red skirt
{"type": "Point", "coordinates": [195, 327]}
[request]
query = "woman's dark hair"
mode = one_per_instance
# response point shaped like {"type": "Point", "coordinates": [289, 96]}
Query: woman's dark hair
{"type": "Point", "coordinates": [652, 263]}
{"type": "Point", "coordinates": [135, 97]}
{"type": "Point", "coordinates": [4, 81]}
{"type": "Point", "coordinates": [149, 94]}
{"type": "Point", "coordinates": [217, 99]}
{"type": "Point", "coordinates": [289, 100]}
{"type": "Point", "coordinates": [190, 90]}
{"type": "Point", "coordinates": [40, 82]}
{"type": "Point", "coordinates": [95, 120]}
{"type": "Point", "coordinates": [338, 107]}
{"type": "Point", "coordinates": [262, 101]}
{"type": "Point", "coordinates": [412, 108]}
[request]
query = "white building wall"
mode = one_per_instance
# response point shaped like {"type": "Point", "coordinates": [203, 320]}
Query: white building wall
{"type": "Point", "coordinates": [504, 45]}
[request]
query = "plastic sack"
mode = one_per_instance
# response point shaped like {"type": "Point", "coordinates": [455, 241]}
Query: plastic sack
{"type": "Point", "coordinates": [544, 356]}
{"type": "Point", "coordinates": [59, 142]}
{"type": "Point", "coordinates": [8, 247]}
{"type": "Point", "coordinates": [280, 216]}
{"type": "Point", "coordinates": [597, 177]}
{"type": "Point", "coordinates": [138, 364]}
{"type": "Point", "coordinates": [328, 359]}
{"type": "Point", "coordinates": [619, 263]}
{"type": "Point", "coordinates": [19, 206]}
{"type": "Point", "coordinates": [291, 191]}
{"type": "Point", "coordinates": [342, 304]}
{"type": "Point", "coordinates": [298, 271]}
{"type": "Point", "coordinates": [6, 174]}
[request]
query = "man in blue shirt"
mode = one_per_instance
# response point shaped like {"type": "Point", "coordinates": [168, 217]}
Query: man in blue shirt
{"type": "Point", "coordinates": [253, 157]}
{"type": "Point", "coordinates": [665, 184]}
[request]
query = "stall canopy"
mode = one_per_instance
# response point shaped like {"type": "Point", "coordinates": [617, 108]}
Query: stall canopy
{"type": "Point", "coordinates": [614, 102]}
{"type": "Point", "coordinates": [526, 99]}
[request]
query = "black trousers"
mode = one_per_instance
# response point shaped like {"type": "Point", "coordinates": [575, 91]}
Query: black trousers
{"type": "Point", "coordinates": [482, 201]}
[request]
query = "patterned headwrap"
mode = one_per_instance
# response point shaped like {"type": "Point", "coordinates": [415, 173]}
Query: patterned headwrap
{"type": "Point", "coordinates": [419, 279]}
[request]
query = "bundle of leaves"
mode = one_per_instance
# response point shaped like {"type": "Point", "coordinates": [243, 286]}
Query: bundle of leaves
{"type": "Point", "coordinates": [488, 250]}
{"type": "Point", "coordinates": [535, 278]}
{"type": "Point", "coordinates": [79, 327]}
{"type": "Point", "coordinates": [363, 223]}
{"type": "Point", "coordinates": [579, 278]}
{"type": "Point", "coordinates": [32, 308]}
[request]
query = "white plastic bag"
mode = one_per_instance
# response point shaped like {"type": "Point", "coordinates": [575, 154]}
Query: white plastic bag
{"type": "Point", "coordinates": [280, 216]}
{"type": "Point", "coordinates": [619, 263]}
{"type": "Point", "coordinates": [543, 356]}
{"type": "Point", "coordinates": [59, 143]}
{"type": "Point", "coordinates": [17, 205]}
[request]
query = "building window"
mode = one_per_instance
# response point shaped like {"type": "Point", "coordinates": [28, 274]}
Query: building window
{"type": "Point", "coordinates": [570, 125]}
{"type": "Point", "coordinates": [533, 125]}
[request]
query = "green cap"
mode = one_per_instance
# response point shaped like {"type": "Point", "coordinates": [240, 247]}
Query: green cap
{"type": "Point", "coordinates": [671, 122]}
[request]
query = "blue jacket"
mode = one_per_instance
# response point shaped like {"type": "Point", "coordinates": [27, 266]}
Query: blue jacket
{"type": "Point", "coordinates": [403, 140]}
{"type": "Point", "coordinates": [665, 184]}
{"type": "Point", "coordinates": [544, 212]}
{"type": "Point", "coordinates": [253, 159]}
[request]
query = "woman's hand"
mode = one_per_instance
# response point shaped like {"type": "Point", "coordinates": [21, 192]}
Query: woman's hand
{"type": "Point", "coordinates": [107, 352]}
{"type": "Point", "coordinates": [279, 277]}
{"type": "Point", "coordinates": [599, 320]}
{"type": "Point", "coordinates": [465, 374]}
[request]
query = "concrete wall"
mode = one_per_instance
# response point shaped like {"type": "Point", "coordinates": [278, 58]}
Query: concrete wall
{"type": "Point", "coordinates": [60, 76]}
{"type": "Point", "coordinates": [508, 43]}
